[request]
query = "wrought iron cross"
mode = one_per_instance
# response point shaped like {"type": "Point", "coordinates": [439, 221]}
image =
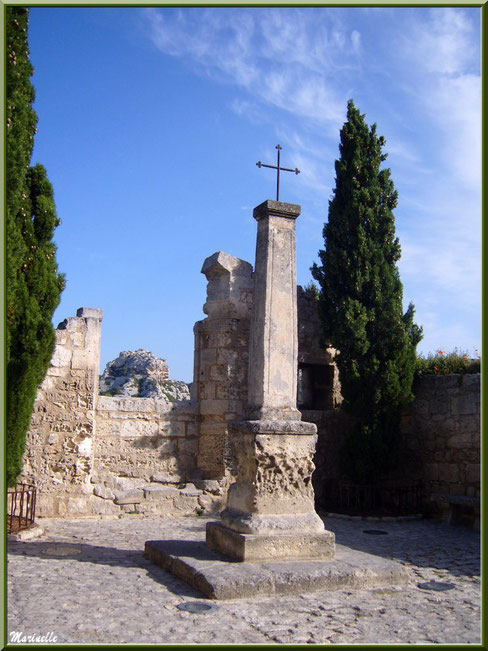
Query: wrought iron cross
{"type": "Point", "coordinates": [278, 169]}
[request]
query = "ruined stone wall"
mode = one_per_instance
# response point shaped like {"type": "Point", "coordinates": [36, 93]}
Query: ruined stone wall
{"type": "Point", "coordinates": [145, 456]}
{"type": "Point", "coordinates": [222, 354]}
{"type": "Point", "coordinates": [59, 446]}
{"type": "Point", "coordinates": [96, 455]}
{"type": "Point", "coordinates": [221, 359]}
{"type": "Point", "coordinates": [318, 378]}
{"type": "Point", "coordinates": [91, 454]}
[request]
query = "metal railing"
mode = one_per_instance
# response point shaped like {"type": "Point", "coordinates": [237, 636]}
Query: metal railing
{"type": "Point", "coordinates": [21, 507]}
{"type": "Point", "coordinates": [388, 496]}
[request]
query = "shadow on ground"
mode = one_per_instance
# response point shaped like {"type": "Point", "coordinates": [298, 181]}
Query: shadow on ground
{"type": "Point", "coordinates": [424, 543]}
{"type": "Point", "coordinates": [421, 543]}
{"type": "Point", "coordinates": [101, 555]}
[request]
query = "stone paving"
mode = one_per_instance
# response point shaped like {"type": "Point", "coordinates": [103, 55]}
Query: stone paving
{"type": "Point", "coordinates": [87, 581]}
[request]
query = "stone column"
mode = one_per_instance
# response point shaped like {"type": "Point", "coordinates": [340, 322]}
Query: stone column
{"type": "Point", "coordinates": [270, 511]}
{"type": "Point", "coordinates": [273, 346]}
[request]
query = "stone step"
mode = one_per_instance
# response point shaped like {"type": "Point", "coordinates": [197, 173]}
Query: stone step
{"type": "Point", "coordinates": [218, 578]}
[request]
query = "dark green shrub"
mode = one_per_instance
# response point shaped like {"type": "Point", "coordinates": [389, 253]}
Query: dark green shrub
{"type": "Point", "coordinates": [360, 302]}
{"type": "Point", "coordinates": [32, 281]}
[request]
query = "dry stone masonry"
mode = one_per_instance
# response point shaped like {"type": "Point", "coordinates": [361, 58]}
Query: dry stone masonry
{"type": "Point", "coordinates": [103, 455]}
{"type": "Point", "coordinates": [59, 452]}
{"type": "Point", "coordinates": [221, 358]}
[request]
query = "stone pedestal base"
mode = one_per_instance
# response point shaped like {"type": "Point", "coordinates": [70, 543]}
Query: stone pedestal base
{"type": "Point", "coordinates": [259, 547]}
{"type": "Point", "coordinates": [270, 512]}
{"type": "Point", "coordinates": [217, 578]}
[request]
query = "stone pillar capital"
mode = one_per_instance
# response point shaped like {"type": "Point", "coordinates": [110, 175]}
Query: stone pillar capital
{"type": "Point", "coordinates": [270, 208]}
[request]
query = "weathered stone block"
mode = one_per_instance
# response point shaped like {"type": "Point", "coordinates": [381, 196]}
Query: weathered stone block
{"type": "Point", "coordinates": [217, 579]}
{"type": "Point", "coordinates": [210, 486]}
{"type": "Point", "coordinates": [75, 506]}
{"type": "Point", "coordinates": [221, 407]}
{"type": "Point", "coordinates": [210, 503]}
{"type": "Point", "coordinates": [191, 430]}
{"type": "Point", "coordinates": [463, 405]}
{"type": "Point", "coordinates": [226, 391]}
{"type": "Point", "coordinates": [207, 390]}
{"type": "Point", "coordinates": [228, 356]}
{"type": "Point", "coordinates": [186, 463]}
{"type": "Point", "coordinates": [440, 406]}
{"type": "Point", "coordinates": [461, 440]}
{"type": "Point", "coordinates": [252, 548]}
{"type": "Point", "coordinates": [174, 428]}
{"type": "Point", "coordinates": [185, 504]}
{"type": "Point", "coordinates": [159, 491]}
{"type": "Point", "coordinates": [83, 358]}
{"type": "Point", "coordinates": [219, 372]}
{"type": "Point", "coordinates": [448, 472]}
{"type": "Point", "coordinates": [190, 490]}
{"type": "Point", "coordinates": [165, 478]}
{"type": "Point", "coordinates": [104, 492]}
{"type": "Point", "coordinates": [473, 473]}
{"type": "Point", "coordinates": [61, 357]}
{"type": "Point", "coordinates": [129, 497]}
{"type": "Point", "coordinates": [188, 446]}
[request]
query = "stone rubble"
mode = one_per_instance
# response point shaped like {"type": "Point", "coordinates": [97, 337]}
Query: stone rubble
{"type": "Point", "coordinates": [98, 588]}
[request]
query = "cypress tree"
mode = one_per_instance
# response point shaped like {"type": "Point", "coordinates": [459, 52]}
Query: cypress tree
{"type": "Point", "coordinates": [32, 280]}
{"type": "Point", "coordinates": [361, 302]}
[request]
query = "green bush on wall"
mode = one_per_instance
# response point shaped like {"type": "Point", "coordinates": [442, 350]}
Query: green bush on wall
{"type": "Point", "coordinates": [443, 363]}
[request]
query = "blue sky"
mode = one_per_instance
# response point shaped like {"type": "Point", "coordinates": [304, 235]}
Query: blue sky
{"type": "Point", "coordinates": [151, 121]}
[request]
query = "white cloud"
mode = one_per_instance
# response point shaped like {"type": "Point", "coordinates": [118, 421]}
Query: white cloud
{"type": "Point", "coordinates": [355, 40]}
{"type": "Point", "coordinates": [458, 102]}
{"type": "Point", "coordinates": [444, 43]}
{"type": "Point", "coordinates": [443, 54]}
{"type": "Point", "coordinates": [307, 63]}
{"type": "Point", "coordinates": [284, 57]}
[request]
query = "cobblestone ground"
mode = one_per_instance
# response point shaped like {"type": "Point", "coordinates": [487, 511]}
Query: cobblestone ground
{"type": "Point", "coordinates": [87, 581]}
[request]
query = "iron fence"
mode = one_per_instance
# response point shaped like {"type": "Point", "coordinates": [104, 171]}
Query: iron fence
{"type": "Point", "coordinates": [21, 507]}
{"type": "Point", "coordinates": [395, 497]}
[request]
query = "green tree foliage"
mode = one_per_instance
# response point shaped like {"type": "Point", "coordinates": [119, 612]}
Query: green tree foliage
{"type": "Point", "coordinates": [33, 282]}
{"type": "Point", "coordinates": [361, 301]}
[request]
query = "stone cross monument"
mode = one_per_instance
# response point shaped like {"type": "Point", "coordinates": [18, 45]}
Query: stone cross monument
{"type": "Point", "coordinates": [270, 511]}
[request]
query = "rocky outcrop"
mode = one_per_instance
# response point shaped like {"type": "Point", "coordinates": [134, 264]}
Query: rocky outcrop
{"type": "Point", "coordinates": [140, 374]}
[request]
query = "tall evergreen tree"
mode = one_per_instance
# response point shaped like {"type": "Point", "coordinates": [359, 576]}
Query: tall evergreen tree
{"type": "Point", "coordinates": [32, 279]}
{"type": "Point", "coordinates": [361, 301]}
